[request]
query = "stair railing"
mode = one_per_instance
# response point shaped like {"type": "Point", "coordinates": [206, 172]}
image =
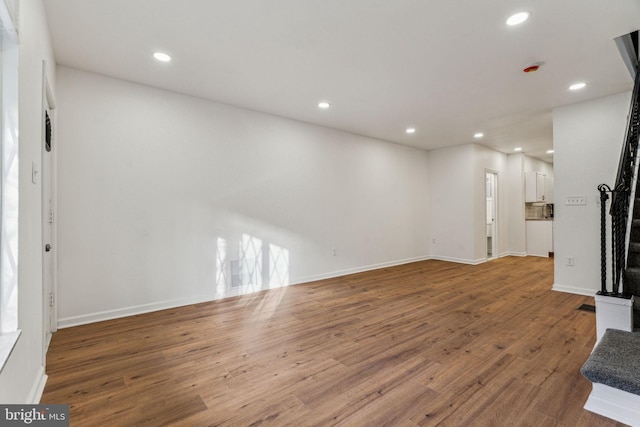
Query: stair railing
{"type": "Point", "coordinates": [621, 204]}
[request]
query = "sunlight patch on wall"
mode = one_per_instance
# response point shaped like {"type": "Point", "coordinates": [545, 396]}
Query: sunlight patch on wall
{"type": "Point", "coordinates": [259, 265]}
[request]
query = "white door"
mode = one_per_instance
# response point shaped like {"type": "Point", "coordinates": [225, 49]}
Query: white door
{"type": "Point", "coordinates": [48, 218]}
{"type": "Point", "coordinates": [491, 180]}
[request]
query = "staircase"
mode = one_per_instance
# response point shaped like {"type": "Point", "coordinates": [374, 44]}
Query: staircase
{"type": "Point", "coordinates": [614, 365]}
{"type": "Point", "coordinates": [632, 271]}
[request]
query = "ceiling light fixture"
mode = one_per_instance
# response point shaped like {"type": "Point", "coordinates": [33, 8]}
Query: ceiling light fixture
{"type": "Point", "coordinates": [324, 105]}
{"type": "Point", "coordinates": [518, 18]}
{"type": "Point", "coordinates": [549, 151]}
{"type": "Point", "coordinates": [577, 86]}
{"type": "Point", "coordinates": [478, 135]}
{"type": "Point", "coordinates": [411, 130]}
{"type": "Point", "coordinates": [517, 149]}
{"type": "Point", "coordinates": [162, 57]}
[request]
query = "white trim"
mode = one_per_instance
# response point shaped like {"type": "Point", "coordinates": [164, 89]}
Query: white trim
{"type": "Point", "coordinates": [510, 253]}
{"type": "Point", "coordinates": [460, 260]}
{"type": "Point", "coordinates": [616, 404]}
{"type": "Point", "coordinates": [362, 269]}
{"type": "Point", "coordinates": [100, 316]}
{"type": "Point", "coordinates": [573, 290]}
{"type": "Point", "coordinates": [8, 341]}
{"type": "Point", "coordinates": [38, 387]}
{"type": "Point", "coordinates": [613, 313]}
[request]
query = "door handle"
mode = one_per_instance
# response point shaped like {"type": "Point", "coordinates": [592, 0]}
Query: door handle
{"type": "Point", "coordinates": [47, 248]}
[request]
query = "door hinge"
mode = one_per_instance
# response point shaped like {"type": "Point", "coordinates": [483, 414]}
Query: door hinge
{"type": "Point", "coordinates": [50, 216]}
{"type": "Point", "coordinates": [51, 299]}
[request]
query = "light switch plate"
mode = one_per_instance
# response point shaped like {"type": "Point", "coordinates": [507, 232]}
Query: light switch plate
{"type": "Point", "coordinates": [576, 200]}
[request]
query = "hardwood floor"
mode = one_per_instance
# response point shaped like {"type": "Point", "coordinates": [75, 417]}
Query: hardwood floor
{"type": "Point", "coordinates": [423, 344]}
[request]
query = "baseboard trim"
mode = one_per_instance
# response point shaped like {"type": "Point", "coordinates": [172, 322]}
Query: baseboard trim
{"type": "Point", "coordinates": [362, 269]}
{"type": "Point", "coordinates": [38, 387]}
{"type": "Point", "coordinates": [68, 322]}
{"type": "Point", "coordinates": [520, 254]}
{"type": "Point", "coordinates": [573, 290]}
{"type": "Point", "coordinates": [459, 260]}
{"type": "Point", "coordinates": [615, 404]}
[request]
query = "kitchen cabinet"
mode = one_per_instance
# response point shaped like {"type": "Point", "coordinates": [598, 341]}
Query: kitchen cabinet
{"type": "Point", "coordinates": [539, 237]}
{"type": "Point", "coordinates": [535, 187]}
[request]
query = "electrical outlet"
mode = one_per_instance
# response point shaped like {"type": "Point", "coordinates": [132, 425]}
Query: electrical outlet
{"type": "Point", "coordinates": [570, 261]}
{"type": "Point", "coordinates": [576, 201]}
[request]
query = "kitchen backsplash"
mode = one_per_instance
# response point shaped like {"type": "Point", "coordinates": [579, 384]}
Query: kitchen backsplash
{"type": "Point", "coordinates": [538, 211]}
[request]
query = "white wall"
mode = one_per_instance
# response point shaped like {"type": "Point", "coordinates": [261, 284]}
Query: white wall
{"type": "Point", "coordinates": [148, 180]}
{"type": "Point", "coordinates": [451, 216]}
{"type": "Point", "coordinates": [516, 235]}
{"type": "Point", "coordinates": [22, 379]}
{"type": "Point", "coordinates": [458, 202]}
{"type": "Point", "coordinates": [587, 139]}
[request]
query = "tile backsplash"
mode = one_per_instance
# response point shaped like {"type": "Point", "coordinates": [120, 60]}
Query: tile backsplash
{"type": "Point", "coordinates": [538, 211]}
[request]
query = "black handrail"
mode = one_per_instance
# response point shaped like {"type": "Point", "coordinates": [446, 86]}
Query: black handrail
{"type": "Point", "coordinates": [621, 199]}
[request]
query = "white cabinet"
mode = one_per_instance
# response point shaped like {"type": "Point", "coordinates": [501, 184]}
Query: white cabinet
{"type": "Point", "coordinates": [534, 184]}
{"type": "Point", "coordinates": [539, 238]}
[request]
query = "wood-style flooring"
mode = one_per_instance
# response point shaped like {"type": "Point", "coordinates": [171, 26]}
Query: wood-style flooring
{"type": "Point", "coordinates": [424, 344]}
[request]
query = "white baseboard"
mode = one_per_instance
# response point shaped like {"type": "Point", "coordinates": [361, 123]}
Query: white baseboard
{"type": "Point", "coordinates": [362, 269]}
{"type": "Point", "coordinates": [616, 404]}
{"type": "Point", "coordinates": [35, 394]}
{"type": "Point", "coordinates": [459, 260]}
{"type": "Point", "coordinates": [573, 290]}
{"type": "Point", "coordinates": [520, 254]}
{"type": "Point", "coordinates": [67, 322]}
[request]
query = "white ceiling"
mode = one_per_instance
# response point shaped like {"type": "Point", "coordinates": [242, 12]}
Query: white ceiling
{"type": "Point", "coordinates": [449, 68]}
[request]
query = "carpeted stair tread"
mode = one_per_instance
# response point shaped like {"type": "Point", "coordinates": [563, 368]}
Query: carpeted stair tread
{"type": "Point", "coordinates": [615, 362]}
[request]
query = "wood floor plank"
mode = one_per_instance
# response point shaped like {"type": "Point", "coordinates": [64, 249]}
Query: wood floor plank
{"type": "Point", "coordinates": [421, 344]}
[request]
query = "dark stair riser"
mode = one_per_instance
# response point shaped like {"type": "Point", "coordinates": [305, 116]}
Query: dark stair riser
{"type": "Point", "coordinates": [632, 281]}
{"type": "Point", "coordinates": [633, 259]}
{"type": "Point", "coordinates": [636, 207]}
{"type": "Point", "coordinates": [635, 231]}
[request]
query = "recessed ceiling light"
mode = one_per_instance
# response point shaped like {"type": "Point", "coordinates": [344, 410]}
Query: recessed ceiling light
{"type": "Point", "coordinates": [411, 130]}
{"type": "Point", "coordinates": [577, 86]}
{"type": "Point", "coordinates": [324, 105]}
{"type": "Point", "coordinates": [518, 18]}
{"type": "Point", "coordinates": [517, 149]}
{"type": "Point", "coordinates": [478, 135]}
{"type": "Point", "coordinates": [162, 57]}
{"type": "Point", "coordinates": [549, 151]}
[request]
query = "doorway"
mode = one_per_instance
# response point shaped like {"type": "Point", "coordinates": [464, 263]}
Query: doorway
{"type": "Point", "coordinates": [491, 193]}
{"type": "Point", "coordinates": [49, 312]}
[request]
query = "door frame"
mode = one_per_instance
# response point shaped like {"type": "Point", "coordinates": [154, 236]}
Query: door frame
{"type": "Point", "coordinates": [48, 214]}
{"type": "Point", "coordinates": [494, 223]}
